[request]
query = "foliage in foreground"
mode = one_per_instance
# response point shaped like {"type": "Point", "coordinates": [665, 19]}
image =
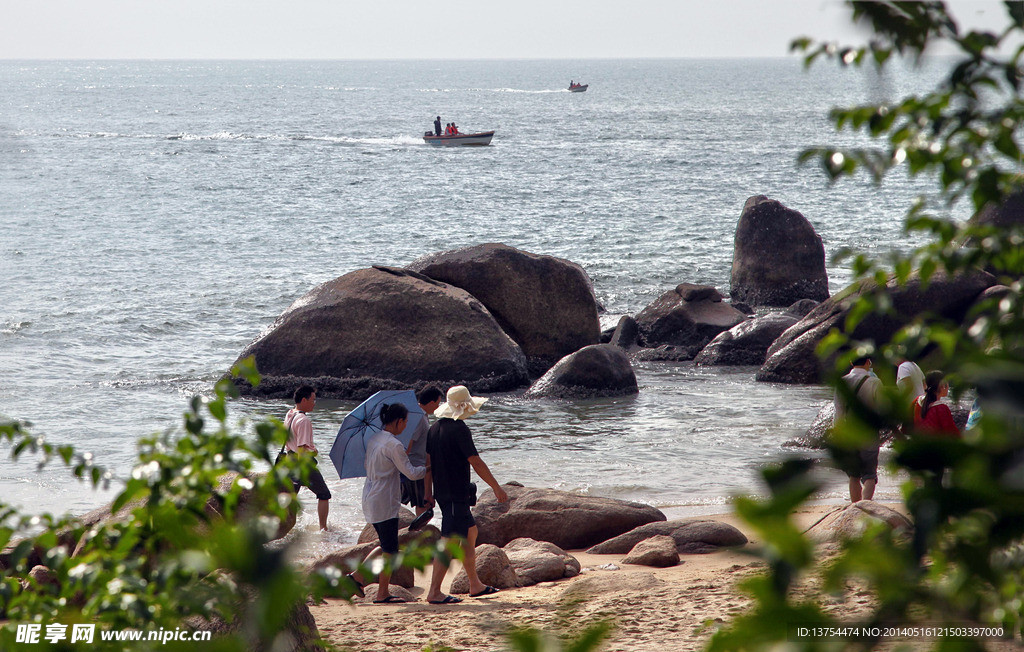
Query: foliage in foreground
{"type": "Point", "coordinates": [964, 565]}
{"type": "Point", "coordinates": [192, 541]}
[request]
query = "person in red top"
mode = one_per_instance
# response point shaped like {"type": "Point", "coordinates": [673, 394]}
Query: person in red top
{"type": "Point", "coordinates": [930, 416]}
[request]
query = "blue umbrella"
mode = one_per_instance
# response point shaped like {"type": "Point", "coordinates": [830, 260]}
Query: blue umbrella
{"type": "Point", "coordinates": [349, 450]}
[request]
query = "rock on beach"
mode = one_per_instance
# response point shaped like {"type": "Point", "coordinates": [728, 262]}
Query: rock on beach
{"type": "Point", "coordinates": [568, 520]}
{"type": "Point", "coordinates": [691, 537]}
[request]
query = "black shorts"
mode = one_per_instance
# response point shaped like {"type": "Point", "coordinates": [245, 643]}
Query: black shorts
{"type": "Point", "coordinates": [863, 464]}
{"type": "Point", "coordinates": [387, 532]}
{"type": "Point", "coordinates": [456, 518]}
{"type": "Point", "coordinates": [316, 484]}
{"type": "Point", "coordinates": [412, 492]}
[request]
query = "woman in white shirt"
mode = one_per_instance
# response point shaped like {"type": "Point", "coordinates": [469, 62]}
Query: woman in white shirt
{"type": "Point", "coordinates": [382, 493]}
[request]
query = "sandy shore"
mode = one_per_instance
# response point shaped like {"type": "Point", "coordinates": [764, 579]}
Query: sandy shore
{"type": "Point", "coordinates": [658, 609]}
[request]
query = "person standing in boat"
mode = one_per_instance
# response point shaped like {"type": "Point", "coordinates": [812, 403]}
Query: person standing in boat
{"type": "Point", "coordinates": [437, 126]}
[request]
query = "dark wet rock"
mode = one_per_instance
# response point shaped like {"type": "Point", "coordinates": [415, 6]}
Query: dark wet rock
{"type": "Point", "coordinates": [800, 308]}
{"type": "Point", "coordinates": [658, 551]}
{"type": "Point", "coordinates": [689, 315]}
{"type": "Point", "coordinates": [593, 371]}
{"type": "Point", "coordinates": [606, 335]}
{"type": "Point", "coordinates": [1006, 215]}
{"type": "Point", "coordinates": [384, 328]}
{"type": "Point", "coordinates": [540, 561]}
{"type": "Point", "coordinates": [568, 520]}
{"type": "Point", "coordinates": [778, 257]}
{"type": "Point", "coordinates": [545, 304]}
{"type": "Point", "coordinates": [792, 358]}
{"type": "Point", "coordinates": [745, 308]}
{"type": "Point", "coordinates": [666, 353]}
{"type": "Point", "coordinates": [627, 334]}
{"type": "Point", "coordinates": [492, 567]}
{"type": "Point", "coordinates": [850, 521]}
{"type": "Point", "coordinates": [691, 537]}
{"type": "Point", "coordinates": [746, 343]}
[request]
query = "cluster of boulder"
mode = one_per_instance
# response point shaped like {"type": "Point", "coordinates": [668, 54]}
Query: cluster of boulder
{"type": "Point", "coordinates": [524, 541]}
{"type": "Point", "coordinates": [496, 318]}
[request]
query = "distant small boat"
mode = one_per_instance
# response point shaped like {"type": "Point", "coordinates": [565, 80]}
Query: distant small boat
{"type": "Point", "coordinates": [461, 140]}
{"type": "Point", "coordinates": [578, 88]}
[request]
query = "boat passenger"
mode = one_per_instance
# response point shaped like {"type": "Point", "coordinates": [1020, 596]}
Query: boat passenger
{"type": "Point", "coordinates": [455, 130]}
{"type": "Point", "coordinates": [437, 126]}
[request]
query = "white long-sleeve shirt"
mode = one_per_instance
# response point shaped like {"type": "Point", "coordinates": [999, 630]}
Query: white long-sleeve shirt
{"type": "Point", "coordinates": [382, 491]}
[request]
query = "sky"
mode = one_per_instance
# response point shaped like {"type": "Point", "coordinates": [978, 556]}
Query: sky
{"type": "Point", "coordinates": [413, 29]}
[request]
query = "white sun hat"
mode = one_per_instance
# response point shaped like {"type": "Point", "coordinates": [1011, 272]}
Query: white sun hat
{"type": "Point", "coordinates": [460, 404]}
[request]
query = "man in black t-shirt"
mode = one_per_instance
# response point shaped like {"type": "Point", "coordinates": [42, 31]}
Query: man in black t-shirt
{"type": "Point", "coordinates": [451, 451]}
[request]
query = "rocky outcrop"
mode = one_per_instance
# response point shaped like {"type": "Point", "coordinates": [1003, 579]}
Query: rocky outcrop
{"type": "Point", "coordinates": [688, 316]}
{"type": "Point", "coordinates": [658, 551]}
{"type": "Point", "coordinates": [570, 521]}
{"type": "Point", "coordinates": [346, 558]}
{"type": "Point", "coordinates": [849, 522]}
{"type": "Point", "coordinates": [778, 257]}
{"type": "Point", "coordinates": [593, 584]}
{"type": "Point", "coordinates": [492, 567]}
{"type": "Point", "coordinates": [299, 632]}
{"type": "Point", "coordinates": [746, 343]}
{"type": "Point", "coordinates": [540, 561]}
{"type": "Point", "coordinates": [691, 537]}
{"type": "Point", "coordinates": [792, 358]}
{"type": "Point", "coordinates": [593, 371]}
{"type": "Point", "coordinates": [666, 353]}
{"type": "Point", "coordinates": [384, 328]}
{"type": "Point", "coordinates": [545, 304]}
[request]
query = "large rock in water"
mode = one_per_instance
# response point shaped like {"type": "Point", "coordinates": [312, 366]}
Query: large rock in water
{"type": "Point", "coordinates": [778, 257]}
{"type": "Point", "coordinates": [688, 316]}
{"type": "Point", "coordinates": [593, 371]}
{"type": "Point", "coordinates": [565, 519]}
{"type": "Point", "coordinates": [747, 343]}
{"type": "Point", "coordinates": [792, 359]}
{"type": "Point", "coordinates": [384, 328]}
{"type": "Point", "coordinates": [545, 304]}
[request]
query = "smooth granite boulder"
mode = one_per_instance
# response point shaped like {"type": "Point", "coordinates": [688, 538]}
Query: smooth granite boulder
{"type": "Point", "coordinates": [792, 359]}
{"type": "Point", "coordinates": [689, 316]}
{"type": "Point", "coordinates": [299, 633]}
{"type": "Point", "coordinates": [746, 343]}
{"type": "Point", "coordinates": [658, 551]}
{"type": "Point", "coordinates": [345, 558]}
{"type": "Point", "coordinates": [540, 561]}
{"type": "Point", "coordinates": [691, 537]}
{"type": "Point", "coordinates": [850, 521]}
{"type": "Point", "coordinates": [545, 304]}
{"type": "Point", "coordinates": [568, 520]}
{"type": "Point", "coordinates": [593, 371]}
{"type": "Point", "coordinates": [778, 256]}
{"type": "Point", "coordinates": [384, 328]}
{"type": "Point", "coordinates": [492, 567]}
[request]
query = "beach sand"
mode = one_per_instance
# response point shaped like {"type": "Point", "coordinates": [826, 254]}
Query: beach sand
{"type": "Point", "coordinates": [653, 609]}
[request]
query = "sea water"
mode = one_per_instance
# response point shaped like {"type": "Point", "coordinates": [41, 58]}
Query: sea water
{"type": "Point", "coordinates": [155, 216]}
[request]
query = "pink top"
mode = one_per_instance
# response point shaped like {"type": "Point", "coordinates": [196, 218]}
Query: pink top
{"type": "Point", "coordinates": [301, 429]}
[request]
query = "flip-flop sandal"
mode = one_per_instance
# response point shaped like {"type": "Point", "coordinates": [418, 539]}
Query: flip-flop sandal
{"type": "Point", "coordinates": [391, 599]}
{"type": "Point", "coordinates": [488, 590]}
{"type": "Point", "coordinates": [448, 599]}
{"type": "Point", "coordinates": [359, 587]}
